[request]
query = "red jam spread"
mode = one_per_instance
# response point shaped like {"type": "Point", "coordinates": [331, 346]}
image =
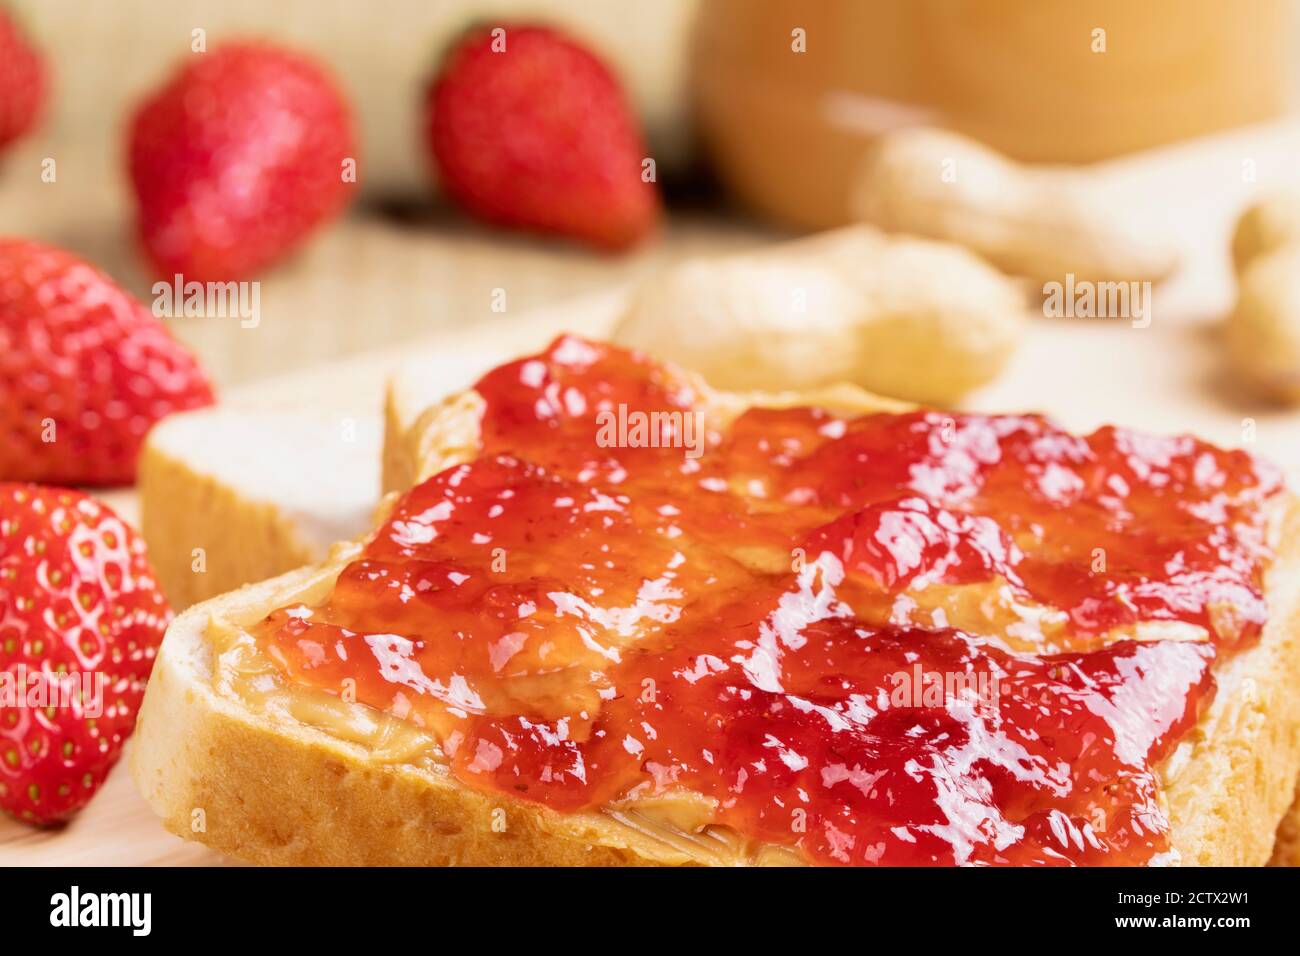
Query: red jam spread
{"type": "Point", "coordinates": [889, 639]}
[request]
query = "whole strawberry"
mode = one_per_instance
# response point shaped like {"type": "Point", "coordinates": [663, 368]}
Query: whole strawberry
{"type": "Point", "coordinates": [81, 618]}
{"type": "Point", "coordinates": [529, 129]}
{"type": "Point", "coordinates": [22, 82]}
{"type": "Point", "coordinates": [237, 159]}
{"type": "Point", "coordinates": [85, 370]}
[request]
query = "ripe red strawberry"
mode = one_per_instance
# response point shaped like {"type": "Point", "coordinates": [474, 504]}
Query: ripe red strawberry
{"type": "Point", "coordinates": [77, 599]}
{"type": "Point", "coordinates": [237, 159]}
{"type": "Point", "coordinates": [85, 370]}
{"type": "Point", "coordinates": [22, 82]}
{"type": "Point", "coordinates": [539, 136]}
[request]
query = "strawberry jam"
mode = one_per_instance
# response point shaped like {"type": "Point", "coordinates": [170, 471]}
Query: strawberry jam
{"type": "Point", "coordinates": [889, 639]}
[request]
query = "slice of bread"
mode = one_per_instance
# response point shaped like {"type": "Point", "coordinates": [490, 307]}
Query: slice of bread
{"type": "Point", "coordinates": [425, 379]}
{"type": "Point", "coordinates": [228, 497]}
{"type": "Point", "coordinates": [227, 757]}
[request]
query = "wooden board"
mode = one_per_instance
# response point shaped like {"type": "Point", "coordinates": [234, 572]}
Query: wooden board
{"type": "Point", "coordinates": [1169, 377]}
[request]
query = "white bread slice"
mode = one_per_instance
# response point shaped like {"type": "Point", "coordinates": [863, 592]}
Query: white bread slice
{"type": "Point", "coordinates": [301, 780]}
{"type": "Point", "coordinates": [228, 497]}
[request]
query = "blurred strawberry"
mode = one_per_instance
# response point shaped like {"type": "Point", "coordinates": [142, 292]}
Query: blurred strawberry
{"type": "Point", "coordinates": [77, 599]}
{"type": "Point", "coordinates": [85, 370]}
{"type": "Point", "coordinates": [22, 82]}
{"type": "Point", "coordinates": [237, 159]}
{"type": "Point", "coordinates": [539, 136]}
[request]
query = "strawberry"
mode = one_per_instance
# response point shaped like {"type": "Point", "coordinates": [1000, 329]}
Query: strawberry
{"type": "Point", "coordinates": [539, 136]}
{"type": "Point", "coordinates": [85, 370]}
{"type": "Point", "coordinates": [81, 618]}
{"type": "Point", "coordinates": [22, 82]}
{"type": "Point", "coordinates": [237, 159]}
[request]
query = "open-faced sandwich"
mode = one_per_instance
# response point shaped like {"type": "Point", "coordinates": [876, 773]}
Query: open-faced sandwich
{"type": "Point", "coordinates": [623, 618]}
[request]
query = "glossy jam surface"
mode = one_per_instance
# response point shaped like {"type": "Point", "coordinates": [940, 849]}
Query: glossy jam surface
{"type": "Point", "coordinates": [889, 639]}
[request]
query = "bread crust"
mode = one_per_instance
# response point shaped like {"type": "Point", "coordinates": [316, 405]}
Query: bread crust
{"type": "Point", "coordinates": [279, 792]}
{"type": "Point", "coordinates": [183, 510]}
{"type": "Point", "coordinates": [1286, 850]}
{"type": "Point", "coordinates": [1232, 783]}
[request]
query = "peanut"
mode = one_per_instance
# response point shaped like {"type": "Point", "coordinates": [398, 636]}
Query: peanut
{"type": "Point", "coordinates": [1266, 226]}
{"type": "Point", "coordinates": [1037, 221]}
{"type": "Point", "coordinates": [1263, 330]}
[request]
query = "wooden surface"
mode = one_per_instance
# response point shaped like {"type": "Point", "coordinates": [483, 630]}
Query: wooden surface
{"type": "Point", "coordinates": [1168, 378]}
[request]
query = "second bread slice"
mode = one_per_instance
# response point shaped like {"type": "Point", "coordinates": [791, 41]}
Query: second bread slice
{"type": "Point", "coordinates": [228, 497]}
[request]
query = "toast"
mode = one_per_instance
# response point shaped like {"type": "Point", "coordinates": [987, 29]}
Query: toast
{"type": "Point", "coordinates": [216, 516]}
{"type": "Point", "coordinates": [225, 754]}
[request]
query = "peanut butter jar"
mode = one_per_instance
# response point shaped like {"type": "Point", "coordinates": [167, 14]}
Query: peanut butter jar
{"type": "Point", "coordinates": [788, 93]}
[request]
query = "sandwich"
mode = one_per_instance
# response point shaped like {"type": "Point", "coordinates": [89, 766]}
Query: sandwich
{"type": "Point", "coordinates": [622, 618]}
